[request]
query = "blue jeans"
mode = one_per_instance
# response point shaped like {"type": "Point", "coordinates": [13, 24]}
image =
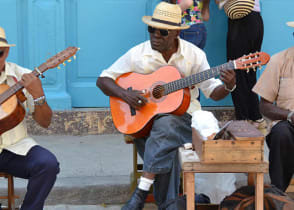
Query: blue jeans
{"type": "Point", "coordinates": [160, 153]}
{"type": "Point", "coordinates": [39, 166]}
{"type": "Point", "coordinates": [196, 34]}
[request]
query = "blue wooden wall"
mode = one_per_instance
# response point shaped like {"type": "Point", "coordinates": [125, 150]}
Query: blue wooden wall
{"type": "Point", "coordinates": [104, 30]}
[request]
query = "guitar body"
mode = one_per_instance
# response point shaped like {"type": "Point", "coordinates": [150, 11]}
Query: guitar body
{"type": "Point", "coordinates": [167, 92]}
{"type": "Point", "coordinates": [140, 123]}
{"type": "Point", "coordinates": [11, 111]}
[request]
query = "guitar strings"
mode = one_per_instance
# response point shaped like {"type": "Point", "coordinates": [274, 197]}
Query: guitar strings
{"type": "Point", "coordinates": [158, 91]}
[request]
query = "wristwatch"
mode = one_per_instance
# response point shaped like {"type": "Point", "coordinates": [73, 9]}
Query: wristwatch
{"type": "Point", "coordinates": [289, 117]}
{"type": "Point", "coordinates": [40, 101]}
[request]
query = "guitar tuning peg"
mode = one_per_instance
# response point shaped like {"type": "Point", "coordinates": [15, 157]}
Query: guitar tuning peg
{"type": "Point", "coordinates": [69, 60]}
{"type": "Point", "coordinates": [58, 67]}
{"type": "Point", "coordinates": [74, 57]}
{"type": "Point", "coordinates": [247, 70]}
{"type": "Point", "coordinates": [64, 63]}
{"type": "Point", "coordinates": [254, 69]}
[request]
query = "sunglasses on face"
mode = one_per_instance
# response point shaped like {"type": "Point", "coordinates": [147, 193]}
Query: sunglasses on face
{"type": "Point", "coordinates": [1, 53]}
{"type": "Point", "coordinates": [163, 32]}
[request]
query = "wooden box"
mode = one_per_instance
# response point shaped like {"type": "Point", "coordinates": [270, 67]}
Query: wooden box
{"type": "Point", "coordinates": [243, 144]}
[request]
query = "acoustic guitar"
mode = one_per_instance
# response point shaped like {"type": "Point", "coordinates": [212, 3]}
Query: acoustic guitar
{"type": "Point", "coordinates": [166, 92]}
{"type": "Point", "coordinates": [12, 111]}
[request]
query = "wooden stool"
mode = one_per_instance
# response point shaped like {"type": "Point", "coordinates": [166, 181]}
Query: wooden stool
{"type": "Point", "coordinates": [10, 192]}
{"type": "Point", "coordinates": [137, 169]}
{"type": "Point", "coordinates": [190, 165]}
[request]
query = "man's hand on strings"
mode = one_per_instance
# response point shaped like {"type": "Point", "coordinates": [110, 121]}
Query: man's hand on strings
{"type": "Point", "coordinates": [32, 84]}
{"type": "Point", "coordinates": [134, 98]}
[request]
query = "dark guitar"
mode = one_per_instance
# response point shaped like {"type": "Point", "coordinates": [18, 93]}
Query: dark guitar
{"type": "Point", "coordinates": [11, 98]}
{"type": "Point", "coordinates": [166, 92]}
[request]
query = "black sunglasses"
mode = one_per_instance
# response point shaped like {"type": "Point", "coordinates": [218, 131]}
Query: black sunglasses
{"type": "Point", "coordinates": [163, 32]}
{"type": "Point", "coordinates": [1, 53]}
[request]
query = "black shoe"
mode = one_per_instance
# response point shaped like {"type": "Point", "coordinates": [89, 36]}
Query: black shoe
{"type": "Point", "coordinates": [137, 200]}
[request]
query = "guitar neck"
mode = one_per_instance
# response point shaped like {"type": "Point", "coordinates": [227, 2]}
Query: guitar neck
{"type": "Point", "coordinates": [18, 86]}
{"type": "Point", "coordinates": [196, 78]}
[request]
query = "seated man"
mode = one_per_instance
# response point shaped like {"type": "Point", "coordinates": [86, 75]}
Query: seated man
{"type": "Point", "coordinates": [277, 103]}
{"type": "Point", "coordinates": [159, 149]}
{"type": "Point", "coordinates": [20, 155]}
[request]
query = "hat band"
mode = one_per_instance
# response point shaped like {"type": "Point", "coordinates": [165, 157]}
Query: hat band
{"type": "Point", "coordinates": [3, 40]}
{"type": "Point", "coordinates": [166, 22]}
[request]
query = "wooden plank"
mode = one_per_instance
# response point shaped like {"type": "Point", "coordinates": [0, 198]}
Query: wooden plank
{"type": "Point", "coordinates": [189, 189]}
{"type": "Point", "coordinates": [225, 168]}
{"type": "Point", "coordinates": [232, 156]}
{"type": "Point", "coordinates": [259, 191]}
{"type": "Point", "coordinates": [227, 144]}
{"type": "Point", "coordinates": [221, 151]}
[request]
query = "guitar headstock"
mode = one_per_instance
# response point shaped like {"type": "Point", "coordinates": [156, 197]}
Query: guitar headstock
{"type": "Point", "coordinates": [252, 60]}
{"type": "Point", "coordinates": [61, 57]}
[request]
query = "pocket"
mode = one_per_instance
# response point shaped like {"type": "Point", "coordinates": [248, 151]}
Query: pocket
{"type": "Point", "coordinates": [286, 89]}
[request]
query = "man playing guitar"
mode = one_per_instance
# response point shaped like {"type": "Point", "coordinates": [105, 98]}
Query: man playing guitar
{"type": "Point", "coordinates": [159, 148]}
{"type": "Point", "coordinates": [20, 155]}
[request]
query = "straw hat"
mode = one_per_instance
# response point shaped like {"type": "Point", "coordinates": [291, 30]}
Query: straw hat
{"type": "Point", "coordinates": [291, 24]}
{"type": "Point", "coordinates": [3, 40]}
{"type": "Point", "coordinates": [166, 16]}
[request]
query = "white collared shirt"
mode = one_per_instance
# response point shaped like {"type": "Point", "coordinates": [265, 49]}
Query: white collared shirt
{"type": "Point", "coordinates": [188, 59]}
{"type": "Point", "coordinates": [17, 140]}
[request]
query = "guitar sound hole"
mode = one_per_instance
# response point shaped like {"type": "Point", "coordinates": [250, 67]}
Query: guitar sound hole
{"type": "Point", "coordinates": [158, 91]}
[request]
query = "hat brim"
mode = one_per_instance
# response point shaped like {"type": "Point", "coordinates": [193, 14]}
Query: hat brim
{"type": "Point", "coordinates": [291, 24]}
{"type": "Point", "coordinates": [3, 44]}
{"type": "Point", "coordinates": [148, 21]}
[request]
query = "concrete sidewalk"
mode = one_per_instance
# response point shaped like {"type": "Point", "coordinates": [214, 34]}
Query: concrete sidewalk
{"type": "Point", "coordinates": [95, 170]}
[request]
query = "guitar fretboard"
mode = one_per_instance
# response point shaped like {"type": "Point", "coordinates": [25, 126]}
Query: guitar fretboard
{"type": "Point", "coordinates": [17, 86]}
{"type": "Point", "coordinates": [196, 78]}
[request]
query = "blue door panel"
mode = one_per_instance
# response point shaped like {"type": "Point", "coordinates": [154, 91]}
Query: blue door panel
{"type": "Point", "coordinates": [105, 31]}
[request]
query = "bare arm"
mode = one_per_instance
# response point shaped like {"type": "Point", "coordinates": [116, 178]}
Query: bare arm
{"type": "Point", "coordinates": [219, 93]}
{"type": "Point", "coordinates": [273, 112]}
{"type": "Point", "coordinates": [110, 88]}
{"type": "Point", "coordinates": [184, 4]}
{"type": "Point", "coordinates": [229, 79]}
{"type": "Point", "coordinates": [205, 10]}
{"type": "Point", "coordinates": [43, 113]}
